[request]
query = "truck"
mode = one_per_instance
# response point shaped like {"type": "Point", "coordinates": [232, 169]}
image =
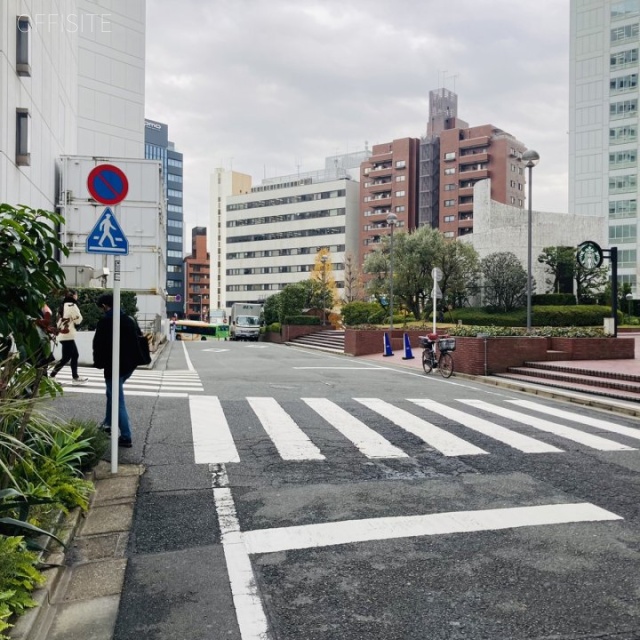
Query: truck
{"type": "Point", "coordinates": [244, 321]}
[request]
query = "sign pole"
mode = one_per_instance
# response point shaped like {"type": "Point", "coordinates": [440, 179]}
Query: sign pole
{"type": "Point", "coordinates": [115, 367]}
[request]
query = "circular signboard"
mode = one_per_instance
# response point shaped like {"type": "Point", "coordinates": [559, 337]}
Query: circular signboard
{"type": "Point", "coordinates": [107, 184]}
{"type": "Point", "coordinates": [589, 255]}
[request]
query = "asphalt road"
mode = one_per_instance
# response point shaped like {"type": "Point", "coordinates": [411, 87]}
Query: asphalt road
{"type": "Point", "coordinates": [296, 495]}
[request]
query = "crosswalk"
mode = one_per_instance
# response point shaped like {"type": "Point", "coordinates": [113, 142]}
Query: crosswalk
{"type": "Point", "coordinates": [513, 423]}
{"type": "Point", "coordinates": [143, 382]}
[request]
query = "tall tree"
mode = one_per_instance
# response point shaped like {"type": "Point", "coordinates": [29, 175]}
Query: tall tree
{"type": "Point", "coordinates": [353, 285]}
{"type": "Point", "coordinates": [505, 281]}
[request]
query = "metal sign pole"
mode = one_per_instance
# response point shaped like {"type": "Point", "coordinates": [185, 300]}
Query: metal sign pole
{"type": "Point", "coordinates": [115, 367]}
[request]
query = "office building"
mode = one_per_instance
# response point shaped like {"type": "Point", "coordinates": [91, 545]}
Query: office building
{"type": "Point", "coordinates": [196, 271]}
{"type": "Point", "coordinates": [603, 122]}
{"type": "Point", "coordinates": [157, 146]}
{"type": "Point", "coordinates": [388, 184]}
{"type": "Point", "coordinates": [453, 157]}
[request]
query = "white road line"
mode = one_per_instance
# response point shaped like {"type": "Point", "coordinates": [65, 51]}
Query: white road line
{"type": "Point", "coordinates": [599, 423]}
{"type": "Point", "coordinates": [212, 439]}
{"type": "Point", "coordinates": [345, 368]}
{"type": "Point", "coordinates": [595, 442]}
{"type": "Point", "coordinates": [370, 443]}
{"type": "Point", "coordinates": [127, 393]}
{"type": "Point", "coordinates": [290, 441]}
{"type": "Point", "coordinates": [350, 531]}
{"type": "Point", "coordinates": [187, 358]}
{"type": "Point", "coordinates": [512, 438]}
{"type": "Point", "coordinates": [439, 439]}
{"type": "Point", "coordinates": [250, 614]}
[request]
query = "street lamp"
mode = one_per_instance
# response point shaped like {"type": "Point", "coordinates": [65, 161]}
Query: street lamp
{"type": "Point", "coordinates": [629, 298]}
{"type": "Point", "coordinates": [392, 220]}
{"type": "Point", "coordinates": [324, 259]}
{"type": "Point", "coordinates": [530, 159]}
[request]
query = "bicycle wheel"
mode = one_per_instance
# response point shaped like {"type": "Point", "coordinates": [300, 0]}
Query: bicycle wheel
{"type": "Point", "coordinates": [445, 364]}
{"type": "Point", "coordinates": [426, 361]}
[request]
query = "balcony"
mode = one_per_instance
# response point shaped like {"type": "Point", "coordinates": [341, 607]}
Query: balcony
{"type": "Point", "coordinates": [481, 141]}
{"type": "Point", "coordinates": [465, 207]}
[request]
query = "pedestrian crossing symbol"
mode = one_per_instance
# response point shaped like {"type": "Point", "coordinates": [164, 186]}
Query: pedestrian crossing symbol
{"type": "Point", "coordinates": [107, 237]}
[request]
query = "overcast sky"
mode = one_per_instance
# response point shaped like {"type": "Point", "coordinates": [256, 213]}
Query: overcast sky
{"type": "Point", "coordinates": [270, 87]}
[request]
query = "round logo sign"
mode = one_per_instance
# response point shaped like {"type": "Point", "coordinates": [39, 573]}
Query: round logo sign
{"type": "Point", "coordinates": [108, 184]}
{"type": "Point", "coordinates": [589, 255]}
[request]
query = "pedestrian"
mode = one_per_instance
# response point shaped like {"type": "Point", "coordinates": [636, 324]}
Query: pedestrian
{"type": "Point", "coordinates": [172, 327]}
{"type": "Point", "coordinates": [102, 359]}
{"type": "Point", "coordinates": [69, 317]}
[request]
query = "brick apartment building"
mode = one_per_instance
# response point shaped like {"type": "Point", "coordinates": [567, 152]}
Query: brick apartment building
{"type": "Point", "coordinates": [196, 275]}
{"type": "Point", "coordinates": [388, 184]}
{"type": "Point", "coordinates": [454, 156]}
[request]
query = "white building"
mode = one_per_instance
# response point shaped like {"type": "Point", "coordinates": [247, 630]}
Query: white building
{"type": "Point", "coordinates": [72, 84]}
{"type": "Point", "coordinates": [273, 233]}
{"type": "Point", "coordinates": [603, 122]}
{"type": "Point", "coordinates": [502, 227]}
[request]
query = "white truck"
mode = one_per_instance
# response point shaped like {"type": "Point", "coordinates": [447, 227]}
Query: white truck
{"type": "Point", "coordinates": [244, 321]}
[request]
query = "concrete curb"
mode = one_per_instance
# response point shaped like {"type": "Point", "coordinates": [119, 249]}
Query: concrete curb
{"type": "Point", "coordinates": [81, 596]}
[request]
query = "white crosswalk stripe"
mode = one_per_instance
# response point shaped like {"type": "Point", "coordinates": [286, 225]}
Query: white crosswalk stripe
{"type": "Point", "coordinates": [143, 382]}
{"type": "Point", "coordinates": [214, 440]}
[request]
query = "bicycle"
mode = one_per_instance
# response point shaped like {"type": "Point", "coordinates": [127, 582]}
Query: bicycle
{"type": "Point", "coordinates": [444, 363]}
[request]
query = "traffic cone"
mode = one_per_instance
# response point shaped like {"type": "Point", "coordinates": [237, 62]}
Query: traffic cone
{"type": "Point", "coordinates": [387, 346]}
{"type": "Point", "coordinates": [408, 355]}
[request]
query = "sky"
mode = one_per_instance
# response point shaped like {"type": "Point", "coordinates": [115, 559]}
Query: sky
{"type": "Point", "coordinates": [272, 87]}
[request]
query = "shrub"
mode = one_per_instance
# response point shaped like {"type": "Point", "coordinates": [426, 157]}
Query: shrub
{"type": "Point", "coordinates": [274, 327]}
{"type": "Point", "coordinates": [302, 320]}
{"type": "Point", "coordinates": [576, 316]}
{"type": "Point", "coordinates": [358, 312]}
{"type": "Point", "coordinates": [553, 299]}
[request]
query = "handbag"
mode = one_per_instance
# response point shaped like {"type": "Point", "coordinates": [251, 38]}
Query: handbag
{"type": "Point", "coordinates": [144, 353]}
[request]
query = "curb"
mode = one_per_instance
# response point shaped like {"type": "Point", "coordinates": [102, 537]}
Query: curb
{"type": "Point", "coordinates": [69, 592]}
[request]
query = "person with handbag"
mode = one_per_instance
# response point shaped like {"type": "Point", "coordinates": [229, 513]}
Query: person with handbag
{"type": "Point", "coordinates": [130, 358]}
{"type": "Point", "coordinates": [69, 317]}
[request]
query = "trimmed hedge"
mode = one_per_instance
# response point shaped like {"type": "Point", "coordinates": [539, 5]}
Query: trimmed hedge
{"type": "Point", "coordinates": [554, 299]}
{"type": "Point", "coordinates": [302, 320]}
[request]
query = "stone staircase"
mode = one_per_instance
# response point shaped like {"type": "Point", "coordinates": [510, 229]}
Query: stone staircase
{"type": "Point", "coordinates": [611, 384]}
{"type": "Point", "coordinates": [329, 340]}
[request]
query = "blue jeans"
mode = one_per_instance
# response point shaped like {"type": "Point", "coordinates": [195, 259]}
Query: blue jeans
{"type": "Point", "coordinates": [123, 416]}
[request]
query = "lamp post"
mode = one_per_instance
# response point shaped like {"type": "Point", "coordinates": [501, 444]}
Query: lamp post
{"type": "Point", "coordinates": [530, 159]}
{"type": "Point", "coordinates": [629, 298]}
{"type": "Point", "coordinates": [323, 259]}
{"type": "Point", "coordinates": [392, 220]}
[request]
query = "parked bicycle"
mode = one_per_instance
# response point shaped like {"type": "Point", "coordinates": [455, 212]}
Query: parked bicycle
{"type": "Point", "coordinates": [430, 359]}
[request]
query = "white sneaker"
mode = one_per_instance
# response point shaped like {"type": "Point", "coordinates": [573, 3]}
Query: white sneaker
{"type": "Point", "coordinates": [79, 380]}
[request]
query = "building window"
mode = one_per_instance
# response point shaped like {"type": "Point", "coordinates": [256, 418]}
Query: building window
{"type": "Point", "coordinates": [623, 233]}
{"type": "Point", "coordinates": [449, 203]}
{"type": "Point", "coordinates": [401, 178]}
{"type": "Point", "coordinates": [174, 284]}
{"type": "Point", "coordinates": [449, 234]}
{"type": "Point", "coordinates": [172, 162]}
{"type": "Point", "coordinates": [23, 135]}
{"type": "Point", "coordinates": [401, 164]}
{"type": "Point", "coordinates": [174, 208]}
{"type": "Point", "coordinates": [23, 46]}
{"type": "Point", "coordinates": [623, 59]}
{"type": "Point", "coordinates": [628, 32]}
{"type": "Point", "coordinates": [623, 83]}
{"type": "Point", "coordinates": [174, 194]}
{"type": "Point", "coordinates": [624, 9]}
{"type": "Point", "coordinates": [174, 268]}
{"type": "Point", "coordinates": [619, 135]}
{"type": "Point", "coordinates": [449, 187]}
{"type": "Point", "coordinates": [400, 194]}
{"type": "Point", "coordinates": [623, 109]}
{"type": "Point", "coordinates": [399, 209]}
{"type": "Point", "coordinates": [449, 171]}
{"type": "Point", "coordinates": [450, 156]}
{"type": "Point", "coordinates": [449, 218]}
{"type": "Point", "coordinates": [174, 177]}
{"type": "Point", "coordinates": [171, 238]}
{"type": "Point", "coordinates": [174, 254]}
{"type": "Point", "coordinates": [623, 184]}
{"type": "Point", "coordinates": [174, 223]}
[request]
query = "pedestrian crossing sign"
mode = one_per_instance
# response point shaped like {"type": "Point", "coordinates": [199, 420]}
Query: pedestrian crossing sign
{"type": "Point", "coordinates": [107, 236]}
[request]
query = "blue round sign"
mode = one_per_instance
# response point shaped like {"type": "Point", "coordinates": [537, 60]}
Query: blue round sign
{"type": "Point", "coordinates": [108, 184]}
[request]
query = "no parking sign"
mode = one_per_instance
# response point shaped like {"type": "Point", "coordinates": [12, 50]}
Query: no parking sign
{"type": "Point", "coordinates": [108, 184]}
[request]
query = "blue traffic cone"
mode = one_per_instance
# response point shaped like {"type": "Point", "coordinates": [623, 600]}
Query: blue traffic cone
{"type": "Point", "coordinates": [387, 345]}
{"type": "Point", "coordinates": [408, 355]}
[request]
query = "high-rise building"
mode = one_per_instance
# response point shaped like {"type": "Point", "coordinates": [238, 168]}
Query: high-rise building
{"type": "Point", "coordinates": [196, 266]}
{"type": "Point", "coordinates": [388, 184]}
{"type": "Point", "coordinates": [157, 146]}
{"type": "Point", "coordinates": [603, 122]}
{"type": "Point", "coordinates": [454, 156]}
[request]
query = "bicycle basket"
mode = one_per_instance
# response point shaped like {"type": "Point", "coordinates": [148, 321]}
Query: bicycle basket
{"type": "Point", "coordinates": [425, 342]}
{"type": "Point", "coordinates": [447, 344]}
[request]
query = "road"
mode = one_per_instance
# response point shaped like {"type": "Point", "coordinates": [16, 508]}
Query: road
{"type": "Point", "coordinates": [296, 495]}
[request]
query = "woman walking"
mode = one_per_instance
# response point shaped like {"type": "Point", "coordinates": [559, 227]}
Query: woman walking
{"type": "Point", "coordinates": [69, 317]}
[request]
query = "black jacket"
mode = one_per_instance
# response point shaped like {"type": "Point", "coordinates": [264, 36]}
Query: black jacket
{"type": "Point", "coordinates": [103, 341]}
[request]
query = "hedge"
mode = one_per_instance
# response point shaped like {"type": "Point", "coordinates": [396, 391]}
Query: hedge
{"type": "Point", "coordinates": [302, 320]}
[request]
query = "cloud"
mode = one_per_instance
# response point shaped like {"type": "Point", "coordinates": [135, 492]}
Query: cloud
{"type": "Point", "coordinates": [270, 88]}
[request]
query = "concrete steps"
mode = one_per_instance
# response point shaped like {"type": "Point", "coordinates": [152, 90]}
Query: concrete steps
{"type": "Point", "coordinates": [612, 384]}
{"type": "Point", "coordinates": [328, 340]}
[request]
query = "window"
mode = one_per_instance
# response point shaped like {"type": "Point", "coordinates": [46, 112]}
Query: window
{"type": "Point", "coordinates": [400, 194]}
{"type": "Point", "coordinates": [174, 254]}
{"type": "Point", "coordinates": [449, 203]}
{"type": "Point", "coordinates": [401, 164]}
{"type": "Point", "coordinates": [174, 223]}
{"type": "Point", "coordinates": [623, 83]}
{"type": "Point", "coordinates": [449, 218]}
{"type": "Point", "coordinates": [174, 177]}
{"type": "Point", "coordinates": [623, 233]}
{"type": "Point", "coordinates": [628, 32]}
{"type": "Point", "coordinates": [450, 156]}
{"type": "Point", "coordinates": [174, 194]}
{"type": "Point", "coordinates": [172, 162]}
{"type": "Point", "coordinates": [174, 284]}
{"type": "Point", "coordinates": [620, 159]}
{"type": "Point", "coordinates": [623, 109]}
{"type": "Point", "coordinates": [623, 59]}
{"type": "Point", "coordinates": [619, 135]}
{"type": "Point", "coordinates": [623, 208]}
{"type": "Point", "coordinates": [399, 208]}
{"type": "Point", "coordinates": [23, 142]}
{"type": "Point", "coordinates": [623, 184]}
{"type": "Point", "coordinates": [450, 187]}
{"type": "Point", "coordinates": [449, 171]}
{"type": "Point", "coordinates": [171, 238]}
{"type": "Point", "coordinates": [401, 178]}
{"type": "Point", "coordinates": [624, 9]}
{"type": "Point", "coordinates": [174, 268]}
{"type": "Point", "coordinates": [23, 46]}
{"type": "Point", "coordinates": [449, 234]}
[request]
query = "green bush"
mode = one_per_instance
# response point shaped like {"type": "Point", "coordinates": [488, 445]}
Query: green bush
{"type": "Point", "coordinates": [553, 316]}
{"type": "Point", "coordinates": [274, 327]}
{"type": "Point", "coordinates": [302, 320]}
{"type": "Point", "coordinates": [553, 299]}
{"type": "Point", "coordinates": [472, 331]}
{"type": "Point", "coordinates": [358, 312]}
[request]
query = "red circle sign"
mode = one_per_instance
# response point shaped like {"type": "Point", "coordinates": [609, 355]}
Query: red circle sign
{"type": "Point", "coordinates": [108, 184]}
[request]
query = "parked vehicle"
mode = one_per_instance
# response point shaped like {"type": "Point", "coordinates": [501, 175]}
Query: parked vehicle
{"type": "Point", "coordinates": [244, 321]}
{"type": "Point", "coordinates": [194, 330]}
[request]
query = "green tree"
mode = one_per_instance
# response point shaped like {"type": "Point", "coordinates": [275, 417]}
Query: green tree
{"type": "Point", "coordinates": [353, 285]}
{"type": "Point", "coordinates": [29, 271]}
{"type": "Point", "coordinates": [591, 284]}
{"type": "Point", "coordinates": [271, 309]}
{"type": "Point", "coordinates": [505, 281]}
{"type": "Point", "coordinates": [292, 300]}
{"type": "Point", "coordinates": [561, 265]}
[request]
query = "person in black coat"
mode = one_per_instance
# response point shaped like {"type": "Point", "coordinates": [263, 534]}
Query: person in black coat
{"type": "Point", "coordinates": [102, 359]}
